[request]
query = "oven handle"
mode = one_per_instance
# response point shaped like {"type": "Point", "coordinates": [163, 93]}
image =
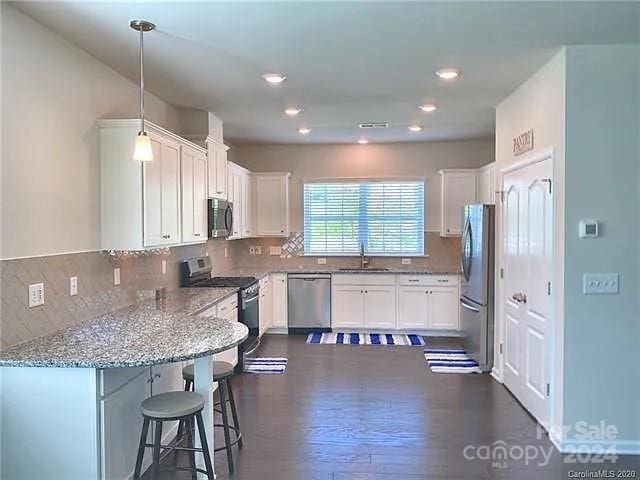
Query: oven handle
{"type": "Point", "coordinates": [247, 301]}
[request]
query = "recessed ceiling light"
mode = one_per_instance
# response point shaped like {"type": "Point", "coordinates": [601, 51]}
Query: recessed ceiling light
{"type": "Point", "coordinates": [304, 130]}
{"type": "Point", "coordinates": [415, 128]}
{"type": "Point", "coordinates": [448, 73]}
{"type": "Point", "coordinates": [292, 111]}
{"type": "Point", "coordinates": [428, 107]}
{"type": "Point", "coordinates": [274, 78]}
{"type": "Point", "coordinates": [363, 141]}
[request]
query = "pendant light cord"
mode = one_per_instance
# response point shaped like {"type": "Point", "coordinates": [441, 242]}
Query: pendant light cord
{"type": "Point", "coordinates": [142, 79]}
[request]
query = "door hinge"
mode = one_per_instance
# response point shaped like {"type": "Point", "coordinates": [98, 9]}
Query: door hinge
{"type": "Point", "coordinates": [548, 288]}
{"type": "Point", "coordinates": [501, 272]}
{"type": "Point", "coordinates": [500, 348]}
{"type": "Point", "coordinates": [501, 193]}
{"type": "Point", "coordinates": [548, 390]}
{"type": "Point", "coordinates": [547, 180]}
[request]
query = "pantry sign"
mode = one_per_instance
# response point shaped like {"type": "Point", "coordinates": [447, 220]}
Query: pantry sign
{"type": "Point", "coordinates": [523, 143]}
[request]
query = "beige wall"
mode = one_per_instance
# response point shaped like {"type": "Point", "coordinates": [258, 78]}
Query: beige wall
{"type": "Point", "coordinates": [395, 160]}
{"type": "Point", "coordinates": [538, 104]}
{"type": "Point", "coordinates": [52, 94]}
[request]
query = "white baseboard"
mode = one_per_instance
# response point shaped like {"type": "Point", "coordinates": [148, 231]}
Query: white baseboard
{"type": "Point", "coordinates": [496, 375]}
{"type": "Point", "coordinates": [619, 447]}
{"type": "Point", "coordinates": [278, 330]}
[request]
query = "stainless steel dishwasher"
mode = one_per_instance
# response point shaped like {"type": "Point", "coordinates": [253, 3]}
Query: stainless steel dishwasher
{"type": "Point", "coordinates": [309, 302]}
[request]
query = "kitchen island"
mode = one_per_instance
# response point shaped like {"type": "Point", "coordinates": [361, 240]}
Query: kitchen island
{"type": "Point", "coordinates": [70, 400]}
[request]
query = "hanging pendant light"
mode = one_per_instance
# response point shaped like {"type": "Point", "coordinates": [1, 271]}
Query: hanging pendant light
{"type": "Point", "coordinates": [142, 151]}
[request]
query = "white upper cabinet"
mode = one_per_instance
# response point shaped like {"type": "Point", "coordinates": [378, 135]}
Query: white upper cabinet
{"type": "Point", "coordinates": [458, 188]}
{"type": "Point", "coordinates": [240, 194]}
{"type": "Point", "coordinates": [194, 196]}
{"type": "Point", "coordinates": [485, 184]}
{"type": "Point", "coordinates": [217, 153]}
{"type": "Point", "coordinates": [142, 202]}
{"type": "Point", "coordinates": [247, 200]}
{"type": "Point", "coordinates": [272, 204]}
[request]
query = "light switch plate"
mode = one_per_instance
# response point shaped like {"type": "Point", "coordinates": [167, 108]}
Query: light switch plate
{"type": "Point", "coordinates": [322, 261]}
{"type": "Point", "coordinates": [406, 261]}
{"type": "Point", "coordinates": [36, 295]}
{"type": "Point", "coordinates": [258, 250]}
{"type": "Point", "coordinates": [275, 250]}
{"type": "Point", "coordinates": [116, 276]}
{"type": "Point", "coordinates": [73, 286]}
{"type": "Point", "coordinates": [600, 283]}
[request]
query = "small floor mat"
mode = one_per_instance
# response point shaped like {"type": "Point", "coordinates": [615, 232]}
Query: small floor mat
{"type": "Point", "coordinates": [450, 360]}
{"type": "Point", "coordinates": [359, 338]}
{"type": "Point", "coordinates": [266, 365]}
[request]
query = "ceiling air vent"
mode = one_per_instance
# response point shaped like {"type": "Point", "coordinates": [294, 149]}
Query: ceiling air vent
{"type": "Point", "coordinates": [374, 125]}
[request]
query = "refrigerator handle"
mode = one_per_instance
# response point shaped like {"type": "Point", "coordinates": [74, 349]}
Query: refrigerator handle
{"type": "Point", "coordinates": [469, 307]}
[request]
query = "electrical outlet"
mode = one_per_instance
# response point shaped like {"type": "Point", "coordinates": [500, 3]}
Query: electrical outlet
{"type": "Point", "coordinates": [406, 261]}
{"type": "Point", "coordinates": [73, 286]}
{"type": "Point", "coordinates": [116, 276]}
{"type": "Point", "coordinates": [600, 283]}
{"type": "Point", "coordinates": [164, 267]}
{"type": "Point", "coordinates": [322, 261]}
{"type": "Point", "coordinates": [258, 250]}
{"type": "Point", "coordinates": [36, 295]}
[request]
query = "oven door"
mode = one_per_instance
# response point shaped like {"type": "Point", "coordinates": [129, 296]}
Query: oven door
{"type": "Point", "coordinates": [249, 315]}
{"type": "Point", "coordinates": [220, 218]}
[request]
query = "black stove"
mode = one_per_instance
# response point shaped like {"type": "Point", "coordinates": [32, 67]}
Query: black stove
{"type": "Point", "coordinates": [196, 272]}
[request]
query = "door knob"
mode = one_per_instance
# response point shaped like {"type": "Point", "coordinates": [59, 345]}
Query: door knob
{"type": "Point", "coordinates": [519, 297]}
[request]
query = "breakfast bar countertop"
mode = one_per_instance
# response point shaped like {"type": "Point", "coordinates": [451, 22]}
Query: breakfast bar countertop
{"type": "Point", "coordinates": [148, 333]}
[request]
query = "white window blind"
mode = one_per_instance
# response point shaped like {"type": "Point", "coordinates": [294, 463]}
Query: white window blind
{"type": "Point", "coordinates": [386, 217]}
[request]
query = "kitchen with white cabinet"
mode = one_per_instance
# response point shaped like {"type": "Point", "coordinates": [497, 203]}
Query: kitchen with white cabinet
{"type": "Point", "coordinates": [247, 242]}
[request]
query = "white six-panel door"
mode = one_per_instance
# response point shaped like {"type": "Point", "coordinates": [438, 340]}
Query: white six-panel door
{"type": "Point", "coordinates": [527, 246]}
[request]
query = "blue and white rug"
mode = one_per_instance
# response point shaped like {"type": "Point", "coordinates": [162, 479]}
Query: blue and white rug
{"type": "Point", "coordinates": [443, 360]}
{"type": "Point", "coordinates": [343, 338]}
{"type": "Point", "coordinates": [268, 365]}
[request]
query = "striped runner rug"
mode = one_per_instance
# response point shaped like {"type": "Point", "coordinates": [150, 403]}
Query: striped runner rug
{"type": "Point", "coordinates": [442, 360]}
{"type": "Point", "coordinates": [268, 365]}
{"type": "Point", "coordinates": [355, 338]}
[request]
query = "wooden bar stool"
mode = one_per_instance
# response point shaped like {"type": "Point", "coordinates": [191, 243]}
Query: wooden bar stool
{"type": "Point", "coordinates": [184, 406]}
{"type": "Point", "coordinates": [222, 373]}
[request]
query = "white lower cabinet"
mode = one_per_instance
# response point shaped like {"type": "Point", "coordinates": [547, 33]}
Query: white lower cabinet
{"type": "Point", "coordinates": [380, 307]}
{"type": "Point", "coordinates": [347, 306]}
{"type": "Point", "coordinates": [413, 307]}
{"type": "Point", "coordinates": [443, 308]}
{"type": "Point", "coordinates": [265, 306]}
{"type": "Point", "coordinates": [429, 305]}
{"type": "Point", "coordinates": [279, 300]}
{"type": "Point", "coordinates": [121, 424]}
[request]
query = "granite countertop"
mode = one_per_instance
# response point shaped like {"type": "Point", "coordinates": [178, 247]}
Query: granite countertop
{"type": "Point", "coordinates": [259, 273]}
{"type": "Point", "coordinates": [149, 333]}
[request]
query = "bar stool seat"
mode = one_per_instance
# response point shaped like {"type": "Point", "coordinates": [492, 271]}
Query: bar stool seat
{"type": "Point", "coordinates": [221, 370]}
{"type": "Point", "coordinates": [172, 405]}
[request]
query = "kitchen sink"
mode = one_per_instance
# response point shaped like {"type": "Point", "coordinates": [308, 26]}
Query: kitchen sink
{"type": "Point", "coordinates": [366, 269]}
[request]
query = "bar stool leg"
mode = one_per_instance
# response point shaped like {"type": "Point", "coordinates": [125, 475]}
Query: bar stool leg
{"type": "Point", "coordinates": [205, 446]}
{"type": "Point", "coordinates": [222, 386]}
{"type": "Point", "coordinates": [234, 412]}
{"type": "Point", "coordinates": [143, 441]}
{"type": "Point", "coordinates": [189, 426]}
{"type": "Point", "coordinates": [155, 467]}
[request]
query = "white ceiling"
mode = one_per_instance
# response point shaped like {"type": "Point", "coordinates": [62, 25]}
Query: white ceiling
{"type": "Point", "coordinates": [346, 62]}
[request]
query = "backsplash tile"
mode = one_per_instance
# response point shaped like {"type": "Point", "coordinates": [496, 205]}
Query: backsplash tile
{"type": "Point", "coordinates": [140, 276]}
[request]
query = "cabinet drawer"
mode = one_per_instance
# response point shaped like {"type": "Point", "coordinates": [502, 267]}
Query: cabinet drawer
{"type": "Point", "coordinates": [430, 280]}
{"type": "Point", "coordinates": [363, 279]}
{"type": "Point", "coordinates": [111, 379]}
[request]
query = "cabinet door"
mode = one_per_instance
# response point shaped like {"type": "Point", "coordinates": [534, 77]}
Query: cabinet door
{"type": "Point", "coordinates": [121, 424]}
{"type": "Point", "coordinates": [170, 205]}
{"type": "Point", "coordinates": [266, 307]}
{"type": "Point", "coordinates": [247, 205]}
{"type": "Point", "coordinates": [231, 355]}
{"type": "Point", "coordinates": [458, 190]}
{"type": "Point", "coordinates": [380, 306]}
{"type": "Point", "coordinates": [217, 170]}
{"type": "Point", "coordinates": [193, 168]}
{"type": "Point", "coordinates": [272, 205]}
{"type": "Point", "coordinates": [167, 378]}
{"type": "Point", "coordinates": [413, 308]}
{"type": "Point", "coordinates": [443, 308]}
{"type": "Point", "coordinates": [152, 188]}
{"type": "Point", "coordinates": [347, 307]}
{"type": "Point", "coordinates": [279, 298]}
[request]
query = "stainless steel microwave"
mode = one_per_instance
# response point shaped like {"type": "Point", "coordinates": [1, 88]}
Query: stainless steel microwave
{"type": "Point", "coordinates": [220, 218]}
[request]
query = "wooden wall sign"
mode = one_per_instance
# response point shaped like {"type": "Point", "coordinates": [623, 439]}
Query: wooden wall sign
{"type": "Point", "coordinates": [523, 143]}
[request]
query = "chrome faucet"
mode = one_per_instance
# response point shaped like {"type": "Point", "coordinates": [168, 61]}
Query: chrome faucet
{"type": "Point", "coordinates": [364, 261]}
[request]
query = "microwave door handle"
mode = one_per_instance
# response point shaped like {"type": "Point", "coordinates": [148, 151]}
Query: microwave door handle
{"type": "Point", "coordinates": [228, 219]}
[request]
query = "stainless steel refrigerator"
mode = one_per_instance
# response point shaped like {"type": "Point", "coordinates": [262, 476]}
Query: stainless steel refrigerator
{"type": "Point", "coordinates": [477, 287]}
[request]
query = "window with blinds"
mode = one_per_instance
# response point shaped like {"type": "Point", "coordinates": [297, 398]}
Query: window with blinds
{"type": "Point", "coordinates": [386, 217]}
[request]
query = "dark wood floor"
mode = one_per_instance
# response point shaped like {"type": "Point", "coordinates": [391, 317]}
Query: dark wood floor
{"type": "Point", "coordinates": [377, 413]}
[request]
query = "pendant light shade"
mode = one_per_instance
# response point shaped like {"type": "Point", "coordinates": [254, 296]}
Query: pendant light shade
{"type": "Point", "coordinates": [142, 151]}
